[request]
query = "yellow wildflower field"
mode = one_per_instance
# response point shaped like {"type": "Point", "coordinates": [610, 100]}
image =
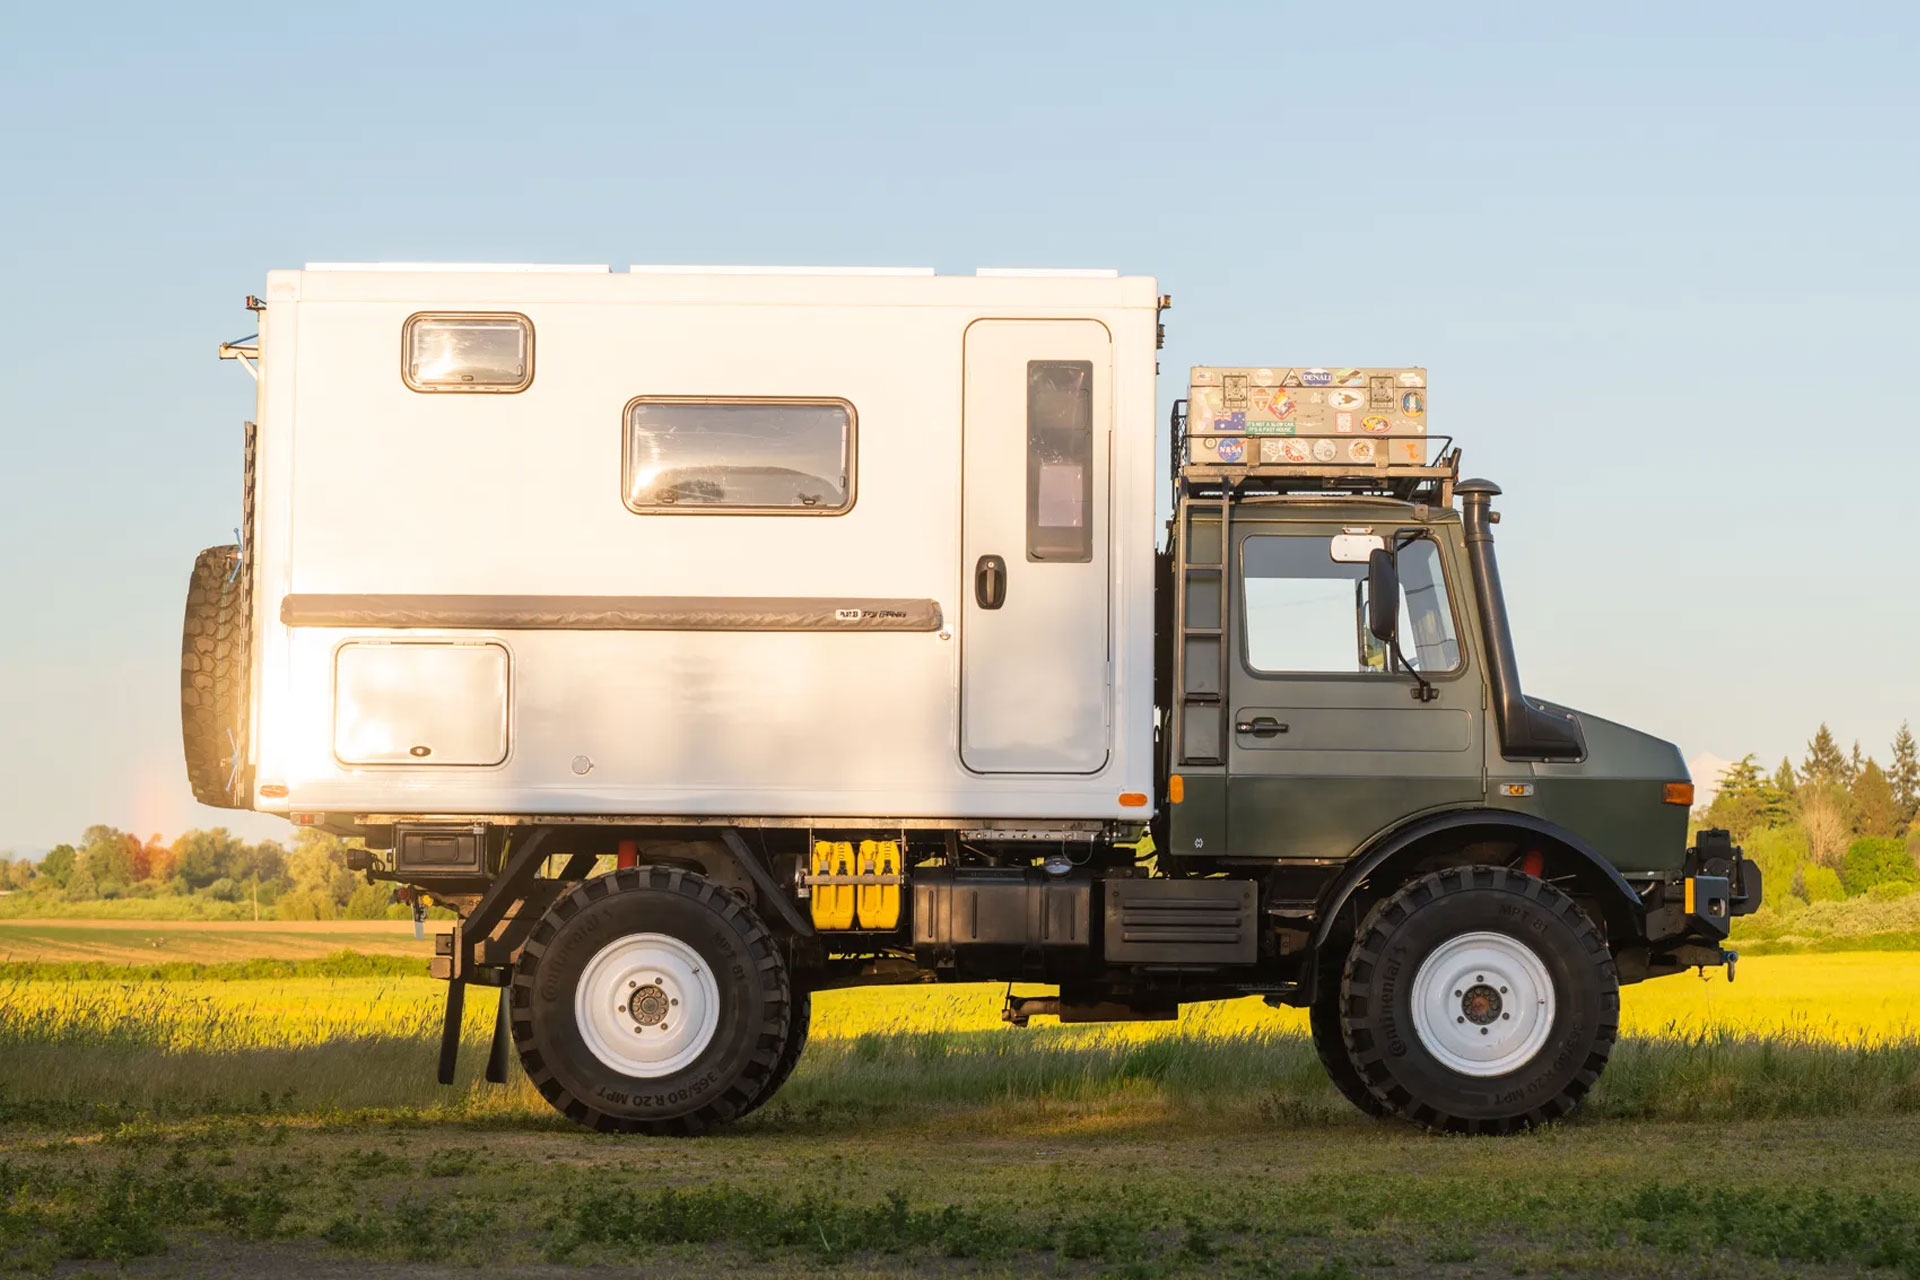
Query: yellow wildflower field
{"type": "Point", "coordinates": [1845, 998]}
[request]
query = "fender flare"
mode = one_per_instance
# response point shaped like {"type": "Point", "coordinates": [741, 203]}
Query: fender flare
{"type": "Point", "coordinates": [1626, 914]}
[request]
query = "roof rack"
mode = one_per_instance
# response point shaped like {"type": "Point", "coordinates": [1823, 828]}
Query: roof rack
{"type": "Point", "coordinates": [1410, 481]}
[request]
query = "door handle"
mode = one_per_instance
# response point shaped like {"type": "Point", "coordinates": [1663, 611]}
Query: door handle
{"type": "Point", "coordinates": [1261, 727]}
{"type": "Point", "coordinates": [990, 582]}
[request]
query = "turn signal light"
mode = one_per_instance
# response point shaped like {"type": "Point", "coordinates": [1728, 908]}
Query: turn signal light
{"type": "Point", "coordinates": [1133, 800]}
{"type": "Point", "coordinates": [1176, 789]}
{"type": "Point", "coordinates": [1680, 793]}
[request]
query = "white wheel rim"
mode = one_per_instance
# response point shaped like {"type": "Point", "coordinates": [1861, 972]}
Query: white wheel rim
{"type": "Point", "coordinates": [647, 1005]}
{"type": "Point", "coordinates": [1483, 1004]}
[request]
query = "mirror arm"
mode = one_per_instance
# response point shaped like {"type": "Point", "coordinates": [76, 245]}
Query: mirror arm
{"type": "Point", "coordinates": [1423, 690]}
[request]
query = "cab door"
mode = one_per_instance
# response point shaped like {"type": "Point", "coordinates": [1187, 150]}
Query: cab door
{"type": "Point", "coordinates": [1328, 743]}
{"type": "Point", "coordinates": [1035, 668]}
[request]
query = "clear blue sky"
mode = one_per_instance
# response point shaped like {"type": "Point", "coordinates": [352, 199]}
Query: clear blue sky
{"type": "Point", "coordinates": [1660, 260]}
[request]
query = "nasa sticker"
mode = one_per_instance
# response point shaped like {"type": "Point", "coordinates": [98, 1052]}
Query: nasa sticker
{"type": "Point", "coordinates": [1317, 377]}
{"type": "Point", "coordinates": [1412, 403]}
{"type": "Point", "coordinates": [1376, 424]}
{"type": "Point", "coordinates": [1345, 400]}
{"type": "Point", "coordinates": [1324, 451]}
{"type": "Point", "coordinates": [1231, 450]}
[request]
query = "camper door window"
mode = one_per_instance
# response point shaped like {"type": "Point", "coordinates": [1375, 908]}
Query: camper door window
{"type": "Point", "coordinates": [1060, 460]}
{"type": "Point", "coordinates": [467, 352]}
{"type": "Point", "coordinates": [792, 457]}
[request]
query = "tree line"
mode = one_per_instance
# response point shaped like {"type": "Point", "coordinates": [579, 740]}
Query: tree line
{"type": "Point", "coordinates": [215, 869]}
{"type": "Point", "coordinates": [1838, 825]}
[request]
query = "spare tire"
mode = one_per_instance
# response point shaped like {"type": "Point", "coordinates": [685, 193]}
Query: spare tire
{"type": "Point", "coordinates": [214, 662]}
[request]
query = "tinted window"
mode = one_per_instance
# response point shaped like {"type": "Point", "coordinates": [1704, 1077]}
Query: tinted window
{"type": "Point", "coordinates": [779, 455]}
{"type": "Point", "coordinates": [1306, 612]}
{"type": "Point", "coordinates": [468, 353]}
{"type": "Point", "coordinates": [1059, 460]}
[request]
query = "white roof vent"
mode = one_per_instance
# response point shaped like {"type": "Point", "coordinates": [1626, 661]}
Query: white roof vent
{"type": "Point", "coordinates": [1052, 273]}
{"type": "Point", "coordinates": [676, 269]}
{"type": "Point", "coordinates": [554, 268]}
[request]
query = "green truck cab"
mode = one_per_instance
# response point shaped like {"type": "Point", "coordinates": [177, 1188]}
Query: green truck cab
{"type": "Point", "coordinates": [1451, 859]}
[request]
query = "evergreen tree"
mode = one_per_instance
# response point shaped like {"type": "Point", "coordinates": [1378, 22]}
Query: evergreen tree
{"type": "Point", "coordinates": [1783, 780]}
{"type": "Point", "coordinates": [1853, 765]}
{"type": "Point", "coordinates": [1824, 763]}
{"type": "Point", "coordinates": [1747, 800]}
{"type": "Point", "coordinates": [1904, 777]}
{"type": "Point", "coordinates": [1873, 802]}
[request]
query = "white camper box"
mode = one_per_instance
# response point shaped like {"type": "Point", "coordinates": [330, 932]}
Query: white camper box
{"type": "Point", "coordinates": [711, 542]}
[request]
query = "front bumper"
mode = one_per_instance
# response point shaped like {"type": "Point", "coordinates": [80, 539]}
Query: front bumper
{"type": "Point", "coordinates": [1689, 917]}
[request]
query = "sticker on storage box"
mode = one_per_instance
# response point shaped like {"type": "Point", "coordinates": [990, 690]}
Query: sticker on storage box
{"type": "Point", "coordinates": [1224, 450]}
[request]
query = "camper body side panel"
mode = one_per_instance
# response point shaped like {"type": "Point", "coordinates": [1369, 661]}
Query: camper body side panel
{"type": "Point", "coordinates": [373, 489]}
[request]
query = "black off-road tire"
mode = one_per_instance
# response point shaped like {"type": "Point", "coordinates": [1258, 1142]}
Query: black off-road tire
{"type": "Point", "coordinates": [1377, 990]}
{"type": "Point", "coordinates": [731, 1073]}
{"type": "Point", "coordinates": [799, 1022]}
{"type": "Point", "coordinates": [1323, 1019]}
{"type": "Point", "coordinates": [214, 665]}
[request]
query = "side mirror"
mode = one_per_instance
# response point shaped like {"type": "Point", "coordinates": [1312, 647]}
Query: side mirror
{"type": "Point", "coordinates": [1383, 595]}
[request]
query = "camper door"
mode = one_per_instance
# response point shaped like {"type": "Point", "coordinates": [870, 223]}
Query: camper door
{"type": "Point", "coordinates": [1035, 655]}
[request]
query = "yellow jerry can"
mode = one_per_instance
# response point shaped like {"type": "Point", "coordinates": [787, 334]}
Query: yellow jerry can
{"type": "Point", "coordinates": [879, 903]}
{"type": "Point", "coordinates": [833, 903]}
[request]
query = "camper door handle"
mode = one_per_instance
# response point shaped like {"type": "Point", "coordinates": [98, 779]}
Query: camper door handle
{"type": "Point", "coordinates": [1261, 727]}
{"type": "Point", "coordinates": [990, 582]}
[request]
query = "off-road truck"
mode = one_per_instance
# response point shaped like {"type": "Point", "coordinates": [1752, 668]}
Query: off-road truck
{"type": "Point", "coordinates": [708, 638]}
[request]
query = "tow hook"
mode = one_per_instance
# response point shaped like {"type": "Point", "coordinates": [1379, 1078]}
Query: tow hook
{"type": "Point", "coordinates": [1731, 959]}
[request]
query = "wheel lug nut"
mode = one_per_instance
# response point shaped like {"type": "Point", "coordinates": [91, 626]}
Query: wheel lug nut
{"type": "Point", "coordinates": [620, 1009]}
{"type": "Point", "coordinates": [1503, 991]}
{"type": "Point", "coordinates": [1483, 1031]}
{"type": "Point", "coordinates": [1460, 1019]}
{"type": "Point", "coordinates": [1506, 1015]}
{"type": "Point", "coordinates": [632, 986]}
{"type": "Point", "coordinates": [673, 1002]}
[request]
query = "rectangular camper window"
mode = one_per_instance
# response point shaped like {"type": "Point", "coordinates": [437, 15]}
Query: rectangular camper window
{"type": "Point", "coordinates": [1307, 612]}
{"type": "Point", "coordinates": [1060, 460]}
{"type": "Point", "coordinates": [468, 352]}
{"type": "Point", "coordinates": [727, 455]}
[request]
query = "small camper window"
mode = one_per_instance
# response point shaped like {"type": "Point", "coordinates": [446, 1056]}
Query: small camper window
{"type": "Point", "coordinates": [489, 352]}
{"type": "Point", "coordinates": [727, 455]}
{"type": "Point", "coordinates": [1060, 460]}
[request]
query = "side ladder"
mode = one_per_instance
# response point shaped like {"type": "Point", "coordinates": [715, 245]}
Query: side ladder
{"type": "Point", "coordinates": [1203, 613]}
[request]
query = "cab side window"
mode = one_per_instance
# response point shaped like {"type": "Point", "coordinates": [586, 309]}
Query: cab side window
{"type": "Point", "coordinates": [1306, 613]}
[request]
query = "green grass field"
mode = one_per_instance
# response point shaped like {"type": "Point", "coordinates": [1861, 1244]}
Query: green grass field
{"type": "Point", "coordinates": [220, 1123]}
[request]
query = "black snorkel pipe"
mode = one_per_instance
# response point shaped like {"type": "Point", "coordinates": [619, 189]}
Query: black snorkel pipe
{"type": "Point", "coordinates": [1528, 730]}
